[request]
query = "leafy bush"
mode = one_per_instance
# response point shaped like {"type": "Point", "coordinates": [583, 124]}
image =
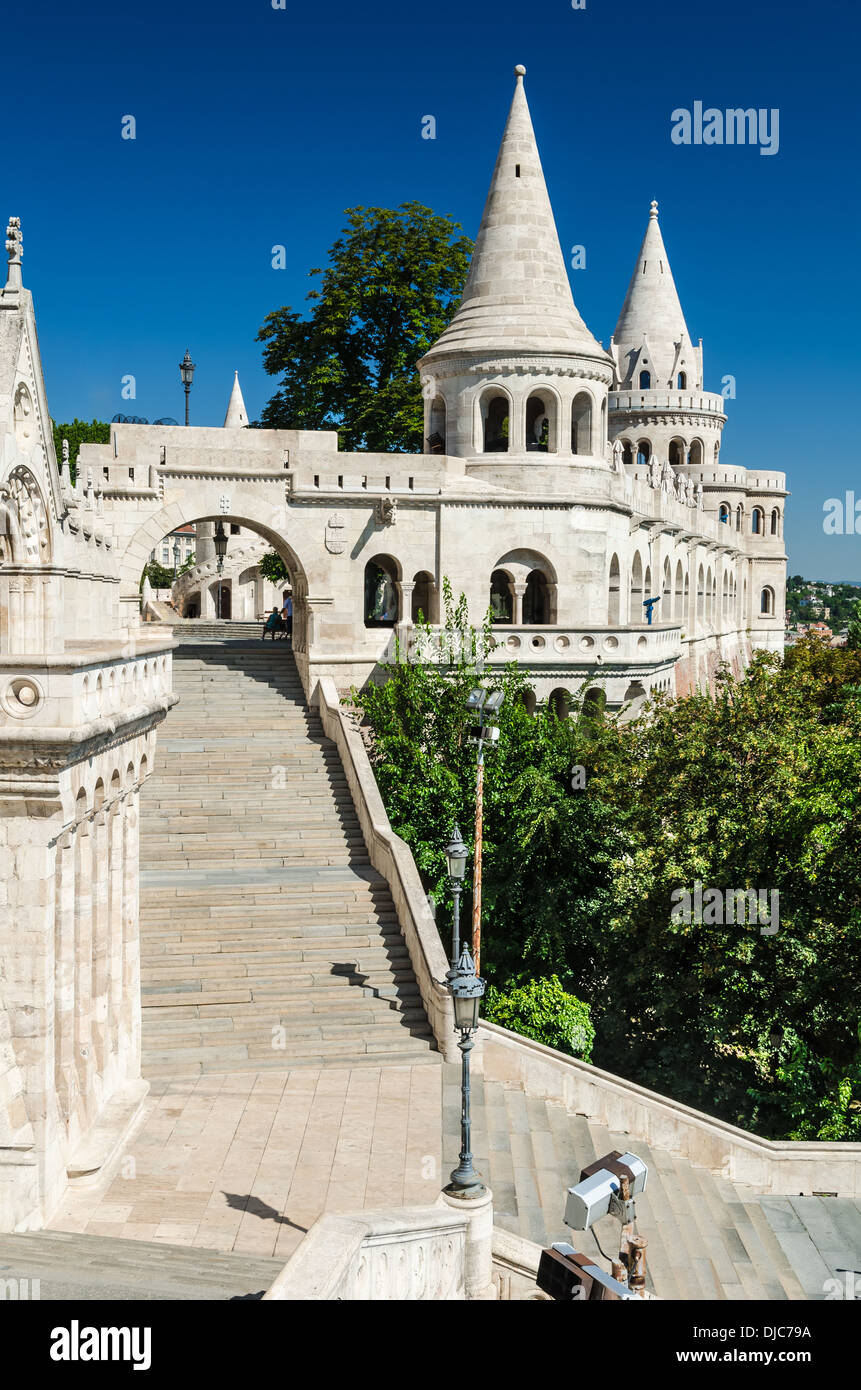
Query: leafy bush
{"type": "Point", "coordinates": [543, 1011]}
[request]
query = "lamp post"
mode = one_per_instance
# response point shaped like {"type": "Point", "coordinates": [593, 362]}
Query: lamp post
{"type": "Point", "coordinates": [175, 557]}
{"type": "Point", "coordinates": [186, 371]}
{"type": "Point", "coordinates": [220, 552]}
{"type": "Point", "coordinates": [485, 706]}
{"type": "Point", "coordinates": [456, 855]}
{"type": "Point", "coordinates": [467, 991]}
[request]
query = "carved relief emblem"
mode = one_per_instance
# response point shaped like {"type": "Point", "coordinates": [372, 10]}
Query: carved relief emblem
{"type": "Point", "coordinates": [336, 534]}
{"type": "Point", "coordinates": [386, 511]}
{"type": "Point", "coordinates": [24, 538]}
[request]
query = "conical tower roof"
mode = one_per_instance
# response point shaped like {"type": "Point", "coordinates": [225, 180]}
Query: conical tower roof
{"type": "Point", "coordinates": [237, 416]}
{"type": "Point", "coordinates": [652, 306]}
{"type": "Point", "coordinates": [517, 296]}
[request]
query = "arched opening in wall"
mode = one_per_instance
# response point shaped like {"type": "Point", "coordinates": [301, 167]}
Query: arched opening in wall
{"type": "Point", "coordinates": [536, 600]}
{"type": "Point", "coordinates": [766, 602]}
{"type": "Point", "coordinates": [436, 426]}
{"type": "Point", "coordinates": [682, 381]}
{"type": "Point", "coordinates": [541, 423]}
{"type": "Point", "coordinates": [695, 453]}
{"type": "Point", "coordinates": [527, 699]}
{"type": "Point", "coordinates": [713, 607]}
{"type": "Point", "coordinates": [725, 605]}
{"type": "Point", "coordinates": [701, 594]}
{"type": "Point", "coordinates": [775, 522]}
{"type": "Point", "coordinates": [677, 606]}
{"type": "Point", "coordinates": [739, 517]}
{"type": "Point", "coordinates": [645, 381]}
{"type": "Point", "coordinates": [724, 513]}
{"type": "Point", "coordinates": [559, 704]}
{"type": "Point", "coordinates": [222, 601]}
{"type": "Point", "coordinates": [501, 601]}
{"type": "Point", "coordinates": [581, 423]}
{"type": "Point", "coordinates": [709, 607]}
{"type": "Point", "coordinates": [627, 451]}
{"type": "Point", "coordinates": [594, 705]}
{"type": "Point", "coordinates": [425, 599]}
{"type": "Point", "coordinates": [744, 602]}
{"type": "Point", "coordinates": [647, 584]}
{"type": "Point", "coordinates": [381, 591]}
{"type": "Point", "coordinates": [717, 450]}
{"type": "Point", "coordinates": [677, 452]}
{"type": "Point", "coordinates": [757, 521]}
{"type": "Point", "coordinates": [685, 598]}
{"type": "Point", "coordinates": [192, 607]}
{"type": "Point", "coordinates": [636, 609]}
{"type": "Point", "coordinates": [636, 691]}
{"type": "Point", "coordinates": [644, 452]}
{"type": "Point", "coordinates": [495, 422]}
{"type": "Point", "coordinates": [666, 595]}
{"type": "Point", "coordinates": [614, 603]}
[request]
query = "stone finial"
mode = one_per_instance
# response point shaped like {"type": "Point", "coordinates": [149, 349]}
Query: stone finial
{"type": "Point", "coordinates": [520, 72]}
{"type": "Point", "coordinates": [66, 464]}
{"type": "Point", "coordinates": [15, 249]}
{"type": "Point", "coordinates": [653, 210]}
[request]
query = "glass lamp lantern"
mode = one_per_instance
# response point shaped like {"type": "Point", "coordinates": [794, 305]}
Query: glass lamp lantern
{"type": "Point", "coordinates": [467, 992]}
{"type": "Point", "coordinates": [456, 854]}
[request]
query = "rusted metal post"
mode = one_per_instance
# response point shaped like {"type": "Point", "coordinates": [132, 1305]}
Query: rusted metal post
{"type": "Point", "coordinates": [476, 885]}
{"type": "Point", "coordinates": [637, 1264]}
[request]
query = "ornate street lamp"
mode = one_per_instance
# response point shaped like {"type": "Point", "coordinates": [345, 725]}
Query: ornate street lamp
{"type": "Point", "coordinates": [467, 991]}
{"type": "Point", "coordinates": [220, 552]}
{"type": "Point", "coordinates": [456, 854]}
{"type": "Point", "coordinates": [485, 706]}
{"type": "Point", "coordinates": [175, 557]}
{"type": "Point", "coordinates": [186, 371]}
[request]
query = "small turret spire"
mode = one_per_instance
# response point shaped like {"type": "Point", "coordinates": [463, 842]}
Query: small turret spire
{"type": "Point", "coordinates": [651, 311]}
{"type": "Point", "coordinates": [237, 416]}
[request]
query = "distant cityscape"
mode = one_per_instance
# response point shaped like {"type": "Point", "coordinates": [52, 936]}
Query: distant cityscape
{"type": "Point", "coordinates": [819, 605]}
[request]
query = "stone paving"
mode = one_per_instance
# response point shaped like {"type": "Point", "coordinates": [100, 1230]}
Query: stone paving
{"type": "Point", "coordinates": [247, 1162]}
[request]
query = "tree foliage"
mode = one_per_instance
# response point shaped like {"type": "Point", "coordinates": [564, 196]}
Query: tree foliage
{"type": "Point", "coordinates": [755, 786]}
{"type": "Point", "coordinates": [541, 1009]}
{"type": "Point", "coordinates": [393, 280]}
{"type": "Point", "coordinates": [79, 432]}
{"type": "Point", "coordinates": [272, 567]}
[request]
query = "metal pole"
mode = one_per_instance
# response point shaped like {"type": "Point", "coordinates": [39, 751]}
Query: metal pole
{"type": "Point", "coordinates": [187, 393]}
{"type": "Point", "coordinates": [476, 885]}
{"type": "Point", "coordinates": [464, 1175]}
{"type": "Point", "coordinates": [455, 946]}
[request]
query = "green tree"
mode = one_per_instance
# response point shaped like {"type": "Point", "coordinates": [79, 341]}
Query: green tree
{"type": "Point", "coordinates": [853, 639]}
{"type": "Point", "coordinates": [79, 432]}
{"type": "Point", "coordinates": [393, 280]}
{"type": "Point", "coordinates": [272, 567]}
{"type": "Point", "coordinates": [541, 1009]}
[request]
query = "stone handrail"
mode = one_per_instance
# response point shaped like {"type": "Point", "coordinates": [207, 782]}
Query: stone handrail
{"type": "Point", "coordinates": [772, 1166]}
{"type": "Point", "coordinates": [405, 1255]}
{"type": "Point", "coordinates": [391, 856]}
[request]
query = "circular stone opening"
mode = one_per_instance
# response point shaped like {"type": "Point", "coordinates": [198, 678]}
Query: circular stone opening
{"type": "Point", "coordinates": [610, 644]}
{"type": "Point", "coordinates": [586, 644]}
{"type": "Point", "coordinates": [562, 644]}
{"type": "Point", "coordinates": [537, 643]}
{"type": "Point", "coordinates": [513, 643]}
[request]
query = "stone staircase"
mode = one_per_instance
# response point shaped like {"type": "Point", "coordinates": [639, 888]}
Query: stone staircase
{"type": "Point", "coordinates": [72, 1266]}
{"type": "Point", "coordinates": [215, 630]}
{"type": "Point", "coordinates": [267, 939]}
{"type": "Point", "coordinates": [708, 1238]}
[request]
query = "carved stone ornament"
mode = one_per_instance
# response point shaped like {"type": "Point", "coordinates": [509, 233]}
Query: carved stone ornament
{"type": "Point", "coordinates": [336, 534]}
{"type": "Point", "coordinates": [24, 536]}
{"type": "Point", "coordinates": [386, 511]}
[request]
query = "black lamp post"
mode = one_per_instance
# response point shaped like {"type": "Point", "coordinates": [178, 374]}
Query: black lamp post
{"type": "Point", "coordinates": [220, 552]}
{"type": "Point", "coordinates": [186, 371]}
{"type": "Point", "coordinates": [467, 991]}
{"type": "Point", "coordinates": [456, 854]}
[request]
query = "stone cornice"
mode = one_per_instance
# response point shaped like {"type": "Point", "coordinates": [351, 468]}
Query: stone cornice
{"type": "Point", "coordinates": [521, 364]}
{"type": "Point", "coordinates": [52, 750]}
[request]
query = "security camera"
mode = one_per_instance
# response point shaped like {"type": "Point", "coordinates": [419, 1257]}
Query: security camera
{"type": "Point", "coordinates": [599, 1190]}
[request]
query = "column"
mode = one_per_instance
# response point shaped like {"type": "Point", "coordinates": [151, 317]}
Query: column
{"type": "Point", "coordinates": [65, 1082]}
{"type": "Point", "coordinates": [115, 928]}
{"type": "Point", "coordinates": [518, 589]}
{"type": "Point", "coordinates": [83, 963]}
{"type": "Point", "coordinates": [100, 949]}
{"type": "Point", "coordinates": [130, 1041]}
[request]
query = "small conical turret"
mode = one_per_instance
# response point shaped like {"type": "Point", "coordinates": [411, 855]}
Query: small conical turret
{"type": "Point", "coordinates": [237, 416]}
{"type": "Point", "coordinates": [651, 336]}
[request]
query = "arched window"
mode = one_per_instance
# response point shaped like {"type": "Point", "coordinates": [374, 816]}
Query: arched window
{"type": "Point", "coordinates": [500, 597]}
{"type": "Point", "coordinates": [724, 513]}
{"type": "Point", "coordinates": [701, 594]}
{"type": "Point", "coordinates": [559, 703]}
{"type": "Point", "coordinates": [695, 453]}
{"type": "Point", "coordinates": [637, 589]}
{"type": "Point", "coordinates": [495, 423]}
{"type": "Point", "coordinates": [766, 601]}
{"type": "Point", "coordinates": [682, 381]}
{"type": "Point", "coordinates": [678, 610]}
{"type": "Point", "coordinates": [627, 451]}
{"type": "Point", "coordinates": [677, 452]}
{"type": "Point", "coordinates": [536, 600]}
{"type": "Point", "coordinates": [527, 699]}
{"type": "Point", "coordinates": [725, 595]}
{"type": "Point", "coordinates": [381, 594]}
{"type": "Point", "coordinates": [541, 423]}
{"type": "Point", "coordinates": [775, 522]}
{"type": "Point", "coordinates": [594, 704]}
{"type": "Point", "coordinates": [615, 597]}
{"type": "Point", "coordinates": [581, 423]}
{"type": "Point", "coordinates": [436, 426]}
{"type": "Point", "coordinates": [666, 606]}
{"type": "Point", "coordinates": [757, 521]}
{"type": "Point", "coordinates": [647, 586]}
{"type": "Point", "coordinates": [645, 381]}
{"type": "Point", "coordinates": [424, 601]}
{"type": "Point", "coordinates": [644, 452]}
{"type": "Point", "coordinates": [739, 517]}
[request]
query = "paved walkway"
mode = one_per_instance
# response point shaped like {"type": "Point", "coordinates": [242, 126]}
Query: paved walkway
{"type": "Point", "coordinates": [247, 1162]}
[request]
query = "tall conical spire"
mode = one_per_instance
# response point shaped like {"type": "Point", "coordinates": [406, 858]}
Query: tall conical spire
{"type": "Point", "coordinates": [651, 311]}
{"type": "Point", "coordinates": [517, 297]}
{"type": "Point", "coordinates": [237, 416]}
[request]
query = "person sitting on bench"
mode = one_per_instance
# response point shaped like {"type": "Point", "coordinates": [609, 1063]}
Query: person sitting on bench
{"type": "Point", "coordinates": [272, 625]}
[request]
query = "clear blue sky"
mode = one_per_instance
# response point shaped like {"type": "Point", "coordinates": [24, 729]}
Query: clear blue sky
{"type": "Point", "coordinates": [258, 126]}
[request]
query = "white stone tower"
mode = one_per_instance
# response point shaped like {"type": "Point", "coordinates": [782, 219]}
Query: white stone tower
{"type": "Point", "coordinates": [517, 373]}
{"type": "Point", "coordinates": [237, 416]}
{"type": "Point", "coordinates": [658, 407]}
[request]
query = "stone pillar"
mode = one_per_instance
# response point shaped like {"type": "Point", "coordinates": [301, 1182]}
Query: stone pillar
{"type": "Point", "coordinates": [517, 424]}
{"type": "Point", "coordinates": [478, 1274]}
{"type": "Point", "coordinates": [101, 941]}
{"type": "Point", "coordinates": [84, 962]}
{"type": "Point", "coordinates": [65, 1077]}
{"type": "Point", "coordinates": [518, 589]}
{"type": "Point", "coordinates": [405, 589]}
{"type": "Point", "coordinates": [130, 1038]}
{"type": "Point", "coordinates": [204, 543]}
{"type": "Point", "coordinates": [116, 867]}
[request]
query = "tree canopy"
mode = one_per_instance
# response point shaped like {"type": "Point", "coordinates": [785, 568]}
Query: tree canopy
{"type": "Point", "coordinates": [79, 432]}
{"type": "Point", "coordinates": [392, 283]}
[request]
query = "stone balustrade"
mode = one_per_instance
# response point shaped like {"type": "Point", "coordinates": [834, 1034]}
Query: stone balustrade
{"type": "Point", "coordinates": [117, 683]}
{"type": "Point", "coordinates": [641, 645]}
